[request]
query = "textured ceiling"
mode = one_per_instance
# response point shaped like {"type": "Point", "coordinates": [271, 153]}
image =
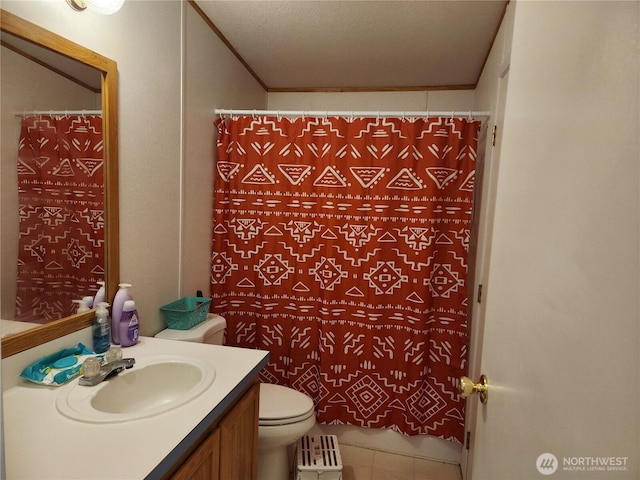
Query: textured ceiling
{"type": "Point", "coordinates": [307, 44]}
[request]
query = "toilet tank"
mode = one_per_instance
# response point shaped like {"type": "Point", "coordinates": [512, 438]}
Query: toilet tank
{"type": "Point", "coordinates": [210, 331]}
{"type": "Point", "coordinates": [214, 333]}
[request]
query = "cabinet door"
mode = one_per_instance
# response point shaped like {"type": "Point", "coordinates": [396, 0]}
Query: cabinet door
{"type": "Point", "coordinates": [239, 439]}
{"type": "Point", "coordinates": [203, 464]}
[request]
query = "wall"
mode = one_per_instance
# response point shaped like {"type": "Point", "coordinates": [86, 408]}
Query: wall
{"type": "Point", "coordinates": [213, 79]}
{"type": "Point", "coordinates": [149, 65]}
{"type": "Point", "coordinates": [445, 100]}
{"type": "Point", "coordinates": [145, 39]}
{"type": "Point", "coordinates": [158, 88]}
{"type": "Point", "coordinates": [25, 86]}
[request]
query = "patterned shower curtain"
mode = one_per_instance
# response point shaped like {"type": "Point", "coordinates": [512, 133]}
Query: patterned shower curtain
{"type": "Point", "coordinates": [340, 245]}
{"type": "Point", "coordinates": [61, 210]}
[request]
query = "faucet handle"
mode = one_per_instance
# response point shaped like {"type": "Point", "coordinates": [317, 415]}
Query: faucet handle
{"type": "Point", "coordinates": [91, 367]}
{"type": "Point", "coordinates": [113, 354]}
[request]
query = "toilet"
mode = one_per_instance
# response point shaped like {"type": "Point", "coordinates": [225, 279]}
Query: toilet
{"type": "Point", "coordinates": [285, 414]}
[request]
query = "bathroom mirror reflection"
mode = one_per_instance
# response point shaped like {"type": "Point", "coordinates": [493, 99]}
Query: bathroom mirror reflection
{"type": "Point", "coordinates": [83, 82]}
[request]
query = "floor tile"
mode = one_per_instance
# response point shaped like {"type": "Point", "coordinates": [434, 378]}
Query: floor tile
{"type": "Point", "coordinates": [379, 474]}
{"type": "Point", "coordinates": [356, 456]}
{"type": "Point", "coordinates": [394, 463]}
{"type": "Point", "coordinates": [430, 470]}
{"type": "Point", "coordinates": [356, 472]}
{"type": "Point", "coordinates": [366, 464]}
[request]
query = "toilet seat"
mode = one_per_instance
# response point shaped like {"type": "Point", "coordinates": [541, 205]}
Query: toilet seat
{"type": "Point", "coordinates": [283, 406]}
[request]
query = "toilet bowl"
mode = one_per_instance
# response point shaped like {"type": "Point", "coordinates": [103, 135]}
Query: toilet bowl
{"type": "Point", "coordinates": [285, 414]}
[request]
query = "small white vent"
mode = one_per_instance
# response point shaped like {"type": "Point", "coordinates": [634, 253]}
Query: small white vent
{"type": "Point", "coordinates": [319, 458]}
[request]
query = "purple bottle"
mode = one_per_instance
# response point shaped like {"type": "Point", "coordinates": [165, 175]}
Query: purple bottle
{"type": "Point", "coordinates": [122, 295]}
{"type": "Point", "coordinates": [129, 326]}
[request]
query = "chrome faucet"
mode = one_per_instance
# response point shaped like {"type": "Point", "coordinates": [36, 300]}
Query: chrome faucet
{"type": "Point", "coordinates": [107, 370]}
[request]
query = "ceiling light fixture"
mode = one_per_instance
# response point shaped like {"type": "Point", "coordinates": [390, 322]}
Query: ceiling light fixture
{"type": "Point", "coordinates": [103, 7]}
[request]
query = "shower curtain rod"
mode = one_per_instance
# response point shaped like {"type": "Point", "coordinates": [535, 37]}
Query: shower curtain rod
{"type": "Point", "coordinates": [58, 112]}
{"type": "Point", "coordinates": [353, 113]}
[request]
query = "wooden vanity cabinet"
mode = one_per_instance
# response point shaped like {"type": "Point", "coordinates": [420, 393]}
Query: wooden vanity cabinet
{"type": "Point", "coordinates": [230, 450]}
{"type": "Point", "coordinates": [204, 462]}
{"type": "Point", "coordinates": [239, 438]}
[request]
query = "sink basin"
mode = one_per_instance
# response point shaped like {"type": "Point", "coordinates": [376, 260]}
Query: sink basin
{"type": "Point", "coordinates": [155, 385]}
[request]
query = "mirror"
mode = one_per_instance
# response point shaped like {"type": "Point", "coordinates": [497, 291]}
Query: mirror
{"type": "Point", "coordinates": [52, 223]}
{"type": "Point", "coordinates": [107, 70]}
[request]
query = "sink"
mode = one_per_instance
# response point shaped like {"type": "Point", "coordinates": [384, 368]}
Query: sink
{"type": "Point", "coordinates": [155, 385]}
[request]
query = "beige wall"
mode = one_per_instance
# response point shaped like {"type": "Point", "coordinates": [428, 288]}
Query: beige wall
{"type": "Point", "coordinates": [375, 101]}
{"type": "Point", "coordinates": [148, 57]}
{"type": "Point", "coordinates": [25, 86]}
{"type": "Point", "coordinates": [145, 39]}
{"type": "Point", "coordinates": [213, 79]}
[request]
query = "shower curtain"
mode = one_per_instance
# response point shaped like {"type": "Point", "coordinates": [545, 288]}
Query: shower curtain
{"type": "Point", "coordinates": [61, 214]}
{"type": "Point", "coordinates": [340, 246]}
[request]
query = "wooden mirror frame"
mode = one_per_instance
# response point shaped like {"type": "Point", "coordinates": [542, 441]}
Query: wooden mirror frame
{"type": "Point", "coordinates": [30, 32]}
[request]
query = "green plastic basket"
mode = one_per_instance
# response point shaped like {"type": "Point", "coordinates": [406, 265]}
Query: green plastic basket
{"type": "Point", "coordinates": [185, 313]}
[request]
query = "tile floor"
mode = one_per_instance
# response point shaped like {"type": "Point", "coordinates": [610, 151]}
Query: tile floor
{"type": "Point", "coordinates": [364, 464]}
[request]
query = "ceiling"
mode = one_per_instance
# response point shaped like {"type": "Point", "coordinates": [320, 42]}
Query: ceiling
{"type": "Point", "coordinates": [358, 44]}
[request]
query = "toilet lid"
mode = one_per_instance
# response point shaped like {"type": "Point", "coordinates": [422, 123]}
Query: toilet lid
{"type": "Point", "coordinates": [282, 405]}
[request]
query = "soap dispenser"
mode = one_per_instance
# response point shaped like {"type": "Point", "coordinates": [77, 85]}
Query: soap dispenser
{"type": "Point", "coordinates": [122, 295]}
{"type": "Point", "coordinates": [102, 329]}
{"type": "Point", "coordinates": [89, 301]}
{"type": "Point", "coordinates": [84, 305]}
{"type": "Point", "coordinates": [99, 295]}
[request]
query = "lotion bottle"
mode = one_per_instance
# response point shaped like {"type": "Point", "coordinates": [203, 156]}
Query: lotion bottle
{"type": "Point", "coordinates": [102, 329]}
{"type": "Point", "coordinates": [129, 325]}
{"type": "Point", "coordinates": [122, 296]}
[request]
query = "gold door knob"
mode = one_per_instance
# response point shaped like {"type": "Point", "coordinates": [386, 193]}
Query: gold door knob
{"type": "Point", "coordinates": [468, 387]}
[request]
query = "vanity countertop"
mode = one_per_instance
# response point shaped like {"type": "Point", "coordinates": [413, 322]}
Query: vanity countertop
{"type": "Point", "coordinates": [42, 443]}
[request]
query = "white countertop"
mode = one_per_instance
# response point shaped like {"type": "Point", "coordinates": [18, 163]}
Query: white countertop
{"type": "Point", "coordinates": [40, 443]}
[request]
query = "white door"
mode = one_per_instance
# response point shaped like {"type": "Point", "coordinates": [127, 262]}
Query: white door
{"type": "Point", "coordinates": [560, 337]}
{"type": "Point", "coordinates": [484, 203]}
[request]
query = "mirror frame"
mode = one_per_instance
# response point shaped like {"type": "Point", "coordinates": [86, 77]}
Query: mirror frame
{"type": "Point", "coordinates": [19, 27]}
